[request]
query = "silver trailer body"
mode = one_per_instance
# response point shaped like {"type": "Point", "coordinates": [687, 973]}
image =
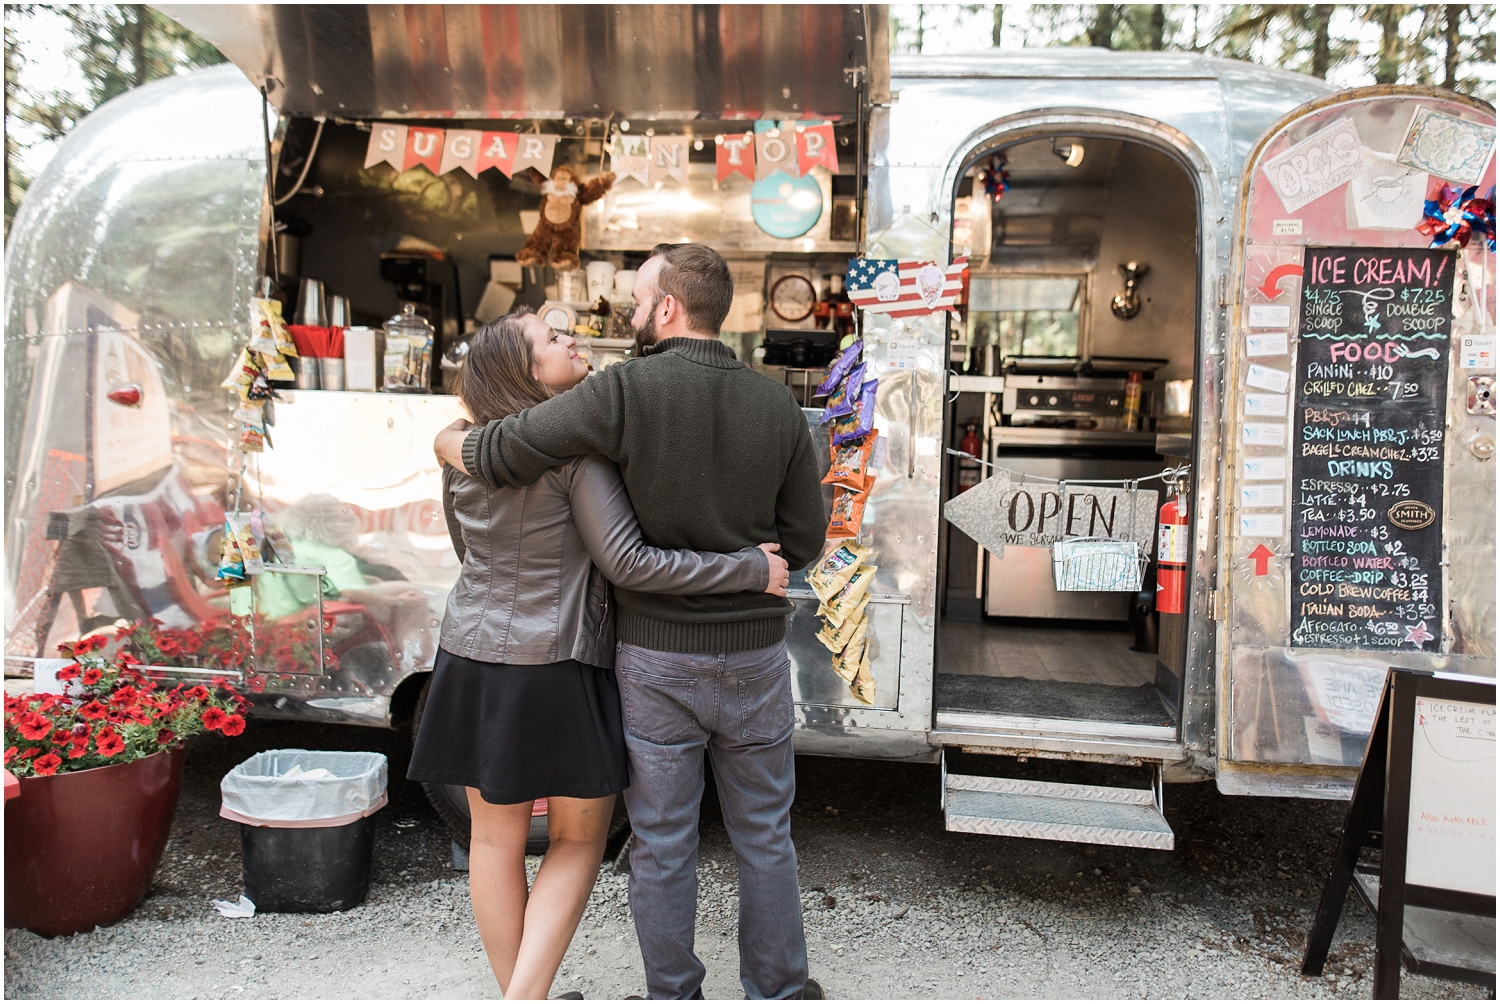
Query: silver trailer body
{"type": "Point", "coordinates": [134, 258]}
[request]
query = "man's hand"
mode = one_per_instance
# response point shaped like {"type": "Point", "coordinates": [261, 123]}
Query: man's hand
{"type": "Point", "coordinates": [449, 445]}
{"type": "Point", "coordinates": [780, 576]}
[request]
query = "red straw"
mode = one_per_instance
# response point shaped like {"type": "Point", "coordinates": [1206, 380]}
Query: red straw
{"type": "Point", "coordinates": [336, 343]}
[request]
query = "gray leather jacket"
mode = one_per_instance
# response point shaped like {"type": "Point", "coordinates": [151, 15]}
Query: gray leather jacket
{"type": "Point", "coordinates": [528, 592]}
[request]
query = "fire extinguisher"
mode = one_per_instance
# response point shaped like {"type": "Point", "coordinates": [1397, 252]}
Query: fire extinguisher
{"type": "Point", "coordinates": [968, 469]}
{"type": "Point", "coordinates": [1172, 555]}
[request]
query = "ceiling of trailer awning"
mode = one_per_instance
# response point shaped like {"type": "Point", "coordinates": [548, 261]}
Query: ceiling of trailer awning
{"type": "Point", "coordinates": [669, 61]}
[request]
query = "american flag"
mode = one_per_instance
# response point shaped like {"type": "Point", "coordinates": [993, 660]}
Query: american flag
{"type": "Point", "coordinates": [904, 288]}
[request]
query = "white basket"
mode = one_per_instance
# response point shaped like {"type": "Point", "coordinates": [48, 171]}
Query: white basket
{"type": "Point", "coordinates": [1098, 565]}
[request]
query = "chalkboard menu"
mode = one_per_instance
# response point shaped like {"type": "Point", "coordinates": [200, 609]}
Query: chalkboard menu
{"type": "Point", "coordinates": [1367, 460]}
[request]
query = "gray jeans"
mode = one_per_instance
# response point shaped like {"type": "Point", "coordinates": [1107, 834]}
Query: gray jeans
{"type": "Point", "coordinates": [738, 706]}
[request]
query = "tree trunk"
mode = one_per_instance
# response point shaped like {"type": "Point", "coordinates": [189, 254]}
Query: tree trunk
{"type": "Point", "coordinates": [1156, 39]}
{"type": "Point", "coordinates": [999, 24]}
{"type": "Point", "coordinates": [1452, 16]}
{"type": "Point", "coordinates": [1102, 34]}
{"type": "Point", "coordinates": [1322, 13]}
{"type": "Point", "coordinates": [1388, 67]}
{"type": "Point", "coordinates": [921, 16]}
{"type": "Point", "coordinates": [138, 42]}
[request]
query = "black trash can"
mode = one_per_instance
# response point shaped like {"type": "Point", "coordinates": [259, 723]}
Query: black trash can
{"type": "Point", "coordinates": [315, 869]}
{"type": "Point", "coordinates": [306, 833]}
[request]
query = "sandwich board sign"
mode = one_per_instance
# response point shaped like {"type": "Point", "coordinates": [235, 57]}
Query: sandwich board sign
{"type": "Point", "coordinates": [1425, 797]}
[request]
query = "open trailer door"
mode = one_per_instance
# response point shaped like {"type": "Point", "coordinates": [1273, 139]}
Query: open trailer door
{"type": "Point", "coordinates": [1359, 480]}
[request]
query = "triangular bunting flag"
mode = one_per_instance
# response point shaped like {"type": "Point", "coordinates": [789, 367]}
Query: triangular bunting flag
{"type": "Point", "coordinates": [387, 145]}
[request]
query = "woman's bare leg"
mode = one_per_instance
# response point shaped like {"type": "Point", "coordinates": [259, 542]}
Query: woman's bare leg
{"type": "Point", "coordinates": [577, 828]}
{"type": "Point", "coordinates": [497, 879]}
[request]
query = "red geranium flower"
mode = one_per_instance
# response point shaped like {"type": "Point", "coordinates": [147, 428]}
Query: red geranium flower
{"type": "Point", "coordinates": [214, 719]}
{"type": "Point", "coordinates": [140, 715]}
{"type": "Point", "coordinates": [92, 675]}
{"type": "Point", "coordinates": [124, 697]}
{"type": "Point", "coordinates": [10, 753]}
{"type": "Point", "coordinates": [69, 672]}
{"type": "Point", "coordinates": [234, 725]}
{"type": "Point", "coordinates": [90, 644]}
{"type": "Point", "coordinates": [79, 749]}
{"type": "Point", "coordinates": [13, 704]}
{"type": "Point", "coordinates": [199, 693]}
{"type": "Point", "coordinates": [116, 715]}
{"type": "Point", "coordinates": [33, 725]}
{"type": "Point", "coordinates": [165, 737]}
{"type": "Point", "coordinates": [109, 743]}
{"type": "Point", "coordinates": [47, 765]}
{"type": "Point", "coordinates": [33, 751]}
{"type": "Point", "coordinates": [93, 709]}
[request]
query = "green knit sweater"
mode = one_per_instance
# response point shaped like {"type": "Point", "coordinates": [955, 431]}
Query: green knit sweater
{"type": "Point", "coordinates": [715, 456]}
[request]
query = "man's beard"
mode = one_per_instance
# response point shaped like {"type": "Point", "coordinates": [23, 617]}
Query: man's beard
{"type": "Point", "coordinates": [646, 336]}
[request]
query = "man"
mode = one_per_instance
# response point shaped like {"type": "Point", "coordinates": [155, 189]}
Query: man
{"type": "Point", "coordinates": [716, 457]}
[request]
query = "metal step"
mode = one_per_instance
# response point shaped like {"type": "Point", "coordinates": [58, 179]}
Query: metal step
{"type": "Point", "coordinates": [1050, 810]}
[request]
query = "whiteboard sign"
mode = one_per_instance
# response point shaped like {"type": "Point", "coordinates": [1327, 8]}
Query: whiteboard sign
{"type": "Point", "coordinates": [1451, 823]}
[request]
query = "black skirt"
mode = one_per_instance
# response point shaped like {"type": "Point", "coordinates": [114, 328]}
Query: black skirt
{"type": "Point", "coordinates": [519, 733]}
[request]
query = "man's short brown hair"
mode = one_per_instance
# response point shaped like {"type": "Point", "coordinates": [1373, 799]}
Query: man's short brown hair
{"type": "Point", "coordinates": [698, 276]}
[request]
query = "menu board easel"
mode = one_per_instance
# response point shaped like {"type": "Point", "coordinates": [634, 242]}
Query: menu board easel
{"type": "Point", "coordinates": [1425, 798]}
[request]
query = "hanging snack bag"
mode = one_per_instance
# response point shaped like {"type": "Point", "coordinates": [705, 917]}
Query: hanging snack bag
{"type": "Point", "coordinates": [231, 564]}
{"type": "Point", "coordinates": [848, 513]}
{"type": "Point", "coordinates": [252, 438]}
{"type": "Point", "coordinates": [847, 464]}
{"type": "Point", "coordinates": [841, 364]}
{"type": "Point", "coordinates": [835, 569]}
{"type": "Point", "coordinates": [859, 423]}
{"type": "Point", "coordinates": [277, 368]}
{"type": "Point", "coordinates": [863, 684]}
{"type": "Point", "coordinates": [242, 375]}
{"type": "Point", "coordinates": [278, 547]}
{"type": "Point", "coordinates": [841, 606]}
{"type": "Point", "coordinates": [846, 663]}
{"type": "Point", "coordinates": [845, 397]}
{"type": "Point", "coordinates": [836, 637]}
{"type": "Point", "coordinates": [244, 538]}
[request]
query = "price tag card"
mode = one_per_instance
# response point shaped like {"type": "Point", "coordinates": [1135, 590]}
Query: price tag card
{"type": "Point", "coordinates": [1262, 524]}
{"type": "Point", "coordinates": [1267, 378]}
{"type": "Point", "coordinates": [1271, 405]}
{"type": "Point", "coordinates": [1269, 496]}
{"type": "Point", "coordinates": [1264, 434]}
{"type": "Point", "coordinates": [1270, 315]}
{"type": "Point", "coordinates": [1265, 468]}
{"type": "Point", "coordinates": [1268, 343]}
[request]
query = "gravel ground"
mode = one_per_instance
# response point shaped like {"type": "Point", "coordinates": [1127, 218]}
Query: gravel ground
{"type": "Point", "coordinates": [895, 907]}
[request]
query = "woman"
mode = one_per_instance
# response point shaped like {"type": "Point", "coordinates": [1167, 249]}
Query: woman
{"type": "Point", "coordinates": [523, 702]}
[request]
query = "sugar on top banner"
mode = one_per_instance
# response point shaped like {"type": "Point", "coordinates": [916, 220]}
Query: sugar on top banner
{"type": "Point", "coordinates": [794, 148]}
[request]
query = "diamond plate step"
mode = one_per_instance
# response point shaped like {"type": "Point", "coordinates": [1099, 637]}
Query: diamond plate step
{"type": "Point", "coordinates": [1048, 810]}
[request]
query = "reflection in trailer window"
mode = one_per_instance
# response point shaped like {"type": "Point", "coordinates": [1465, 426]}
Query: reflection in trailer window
{"type": "Point", "coordinates": [1026, 315]}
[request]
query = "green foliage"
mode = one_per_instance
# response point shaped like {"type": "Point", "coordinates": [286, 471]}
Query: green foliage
{"type": "Point", "coordinates": [1446, 45]}
{"type": "Point", "coordinates": [116, 47]}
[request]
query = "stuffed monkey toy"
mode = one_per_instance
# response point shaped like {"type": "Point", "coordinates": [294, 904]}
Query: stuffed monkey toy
{"type": "Point", "coordinates": [558, 231]}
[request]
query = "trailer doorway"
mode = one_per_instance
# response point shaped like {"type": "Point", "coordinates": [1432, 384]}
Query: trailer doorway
{"type": "Point", "coordinates": [1041, 387]}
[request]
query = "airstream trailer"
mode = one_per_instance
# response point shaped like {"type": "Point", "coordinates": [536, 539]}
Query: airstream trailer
{"type": "Point", "coordinates": [1200, 314]}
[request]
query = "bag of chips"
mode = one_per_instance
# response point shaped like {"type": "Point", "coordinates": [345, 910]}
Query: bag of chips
{"type": "Point", "coordinates": [863, 684]}
{"type": "Point", "coordinates": [238, 523]}
{"type": "Point", "coordinates": [252, 438]}
{"type": "Point", "coordinates": [836, 637]}
{"type": "Point", "coordinates": [276, 366]}
{"type": "Point", "coordinates": [847, 464]}
{"type": "Point", "coordinates": [835, 569]}
{"type": "Point", "coordinates": [278, 546]}
{"type": "Point", "coordinates": [846, 663]}
{"type": "Point", "coordinates": [231, 564]}
{"type": "Point", "coordinates": [859, 422]}
{"type": "Point", "coordinates": [848, 513]}
{"type": "Point", "coordinates": [845, 397]}
{"type": "Point", "coordinates": [841, 606]}
{"type": "Point", "coordinates": [241, 375]}
{"type": "Point", "coordinates": [840, 366]}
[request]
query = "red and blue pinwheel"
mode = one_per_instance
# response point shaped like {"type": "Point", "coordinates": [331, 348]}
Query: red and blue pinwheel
{"type": "Point", "coordinates": [1456, 215]}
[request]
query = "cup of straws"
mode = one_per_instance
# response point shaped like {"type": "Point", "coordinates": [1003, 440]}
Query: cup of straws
{"type": "Point", "coordinates": [320, 365]}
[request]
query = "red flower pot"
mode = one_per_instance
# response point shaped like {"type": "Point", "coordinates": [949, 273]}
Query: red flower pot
{"type": "Point", "coordinates": [81, 849]}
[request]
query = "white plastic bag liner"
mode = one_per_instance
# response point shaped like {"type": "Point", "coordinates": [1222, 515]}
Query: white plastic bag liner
{"type": "Point", "coordinates": [304, 788]}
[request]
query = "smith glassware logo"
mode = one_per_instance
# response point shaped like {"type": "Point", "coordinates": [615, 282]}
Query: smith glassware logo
{"type": "Point", "coordinates": [1412, 515]}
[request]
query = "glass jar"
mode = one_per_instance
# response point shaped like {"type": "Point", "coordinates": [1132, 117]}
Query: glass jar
{"type": "Point", "coordinates": [408, 351]}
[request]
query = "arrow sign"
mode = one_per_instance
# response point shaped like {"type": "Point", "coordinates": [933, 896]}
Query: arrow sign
{"type": "Point", "coordinates": [1271, 288]}
{"type": "Point", "coordinates": [1262, 556]}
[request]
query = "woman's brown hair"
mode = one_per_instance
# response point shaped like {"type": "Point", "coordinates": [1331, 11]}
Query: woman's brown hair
{"type": "Point", "coordinates": [496, 379]}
